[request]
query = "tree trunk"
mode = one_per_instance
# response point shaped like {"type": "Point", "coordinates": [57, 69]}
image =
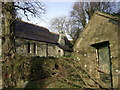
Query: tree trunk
{"type": "Point", "coordinates": [0, 45]}
{"type": "Point", "coordinates": [8, 50]}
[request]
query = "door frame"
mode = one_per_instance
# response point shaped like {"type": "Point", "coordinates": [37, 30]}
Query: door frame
{"type": "Point", "coordinates": [96, 46]}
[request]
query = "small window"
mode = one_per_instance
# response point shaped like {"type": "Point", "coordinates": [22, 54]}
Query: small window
{"type": "Point", "coordinates": [28, 47]}
{"type": "Point", "coordinates": [34, 47]}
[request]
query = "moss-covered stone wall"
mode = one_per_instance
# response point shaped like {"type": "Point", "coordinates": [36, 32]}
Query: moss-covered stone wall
{"type": "Point", "coordinates": [42, 49]}
{"type": "Point", "coordinates": [101, 28]}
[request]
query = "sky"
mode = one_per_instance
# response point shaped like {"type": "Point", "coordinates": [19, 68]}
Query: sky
{"type": "Point", "coordinates": [53, 9]}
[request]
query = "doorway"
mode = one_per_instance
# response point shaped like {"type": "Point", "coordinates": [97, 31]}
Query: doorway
{"type": "Point", "coordinates": [104, 62]}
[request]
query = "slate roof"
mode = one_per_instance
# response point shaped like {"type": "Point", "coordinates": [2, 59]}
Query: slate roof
{"type": "Point", "coordinates": [33, 32]}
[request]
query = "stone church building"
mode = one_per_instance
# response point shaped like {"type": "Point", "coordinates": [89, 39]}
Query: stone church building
{"type": "Point", "coordinates": [97, 48]}
{"type": "Point", "coordinates": [35, 40]}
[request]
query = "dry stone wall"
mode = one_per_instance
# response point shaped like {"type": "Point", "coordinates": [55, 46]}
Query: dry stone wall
{"type": "Point", "coordinates": [101, 28]}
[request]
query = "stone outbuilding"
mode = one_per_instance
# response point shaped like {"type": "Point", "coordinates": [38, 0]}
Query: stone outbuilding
{"type": "Point", "coordinates": [97, 48]}
{"type": "Point", "coordinates": [35, 40]}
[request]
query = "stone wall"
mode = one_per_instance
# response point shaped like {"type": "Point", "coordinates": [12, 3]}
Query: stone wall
{"type": "Point", "coordinates": [101, 28]}
{"type": "Point", "coordinates": [37, 48]}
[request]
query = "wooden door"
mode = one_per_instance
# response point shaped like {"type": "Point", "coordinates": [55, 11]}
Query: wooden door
{"type": "Point", "coordinates": [105, 64]}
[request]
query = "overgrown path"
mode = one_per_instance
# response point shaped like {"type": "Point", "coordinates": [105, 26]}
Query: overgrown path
{"type": "Point", "coordinates": [62, 72]}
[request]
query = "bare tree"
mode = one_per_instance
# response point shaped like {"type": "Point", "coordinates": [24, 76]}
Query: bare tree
{"type": "Point", "coordinates": [66, 26]}
{"type": "Point", "coordinates": [58, 24]}
{"type": "Point", "coordinates": [35, 9]}
{"type": "Point", "coordinates": [82, 12]}
{"type": "Point", "coordinates": [73, 29]}
{"type": "Point", "coordinates": [91, 7]}
{"type": "Point", "coordinates": [78, 13]}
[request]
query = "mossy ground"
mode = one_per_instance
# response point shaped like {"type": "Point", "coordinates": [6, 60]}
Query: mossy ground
{"type": "Point", "coordinates": [42, 72]}
{"type": "Point", "coordinates": [53, 73]}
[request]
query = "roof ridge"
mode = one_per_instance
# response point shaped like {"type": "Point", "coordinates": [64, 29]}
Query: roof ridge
{"type": "Point", "coordinates": [55, 33]}
{"type": "Point", "coordinates": [107, 16]}
{"type": "Point", "coordinates": [33, 24]}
